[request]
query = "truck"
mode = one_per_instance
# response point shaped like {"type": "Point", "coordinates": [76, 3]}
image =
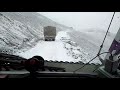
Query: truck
{"type": "Point", "coordinates": [49, 33]}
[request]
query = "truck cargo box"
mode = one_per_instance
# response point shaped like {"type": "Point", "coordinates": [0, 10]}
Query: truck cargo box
{"type": "Point", "coordinates": [49, 33]}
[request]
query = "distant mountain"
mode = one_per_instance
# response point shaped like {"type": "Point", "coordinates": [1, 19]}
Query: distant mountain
{"type": "Point", "coordinates": [97, 35]}
{"type": "Point", "coordinates": [19, 30]}
{"type": "Point", "coordinates": [83, 41]}
{"type": "Point", "coordinates": [91, 39]}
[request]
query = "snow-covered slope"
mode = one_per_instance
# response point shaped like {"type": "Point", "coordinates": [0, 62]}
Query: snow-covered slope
{"type": "Point", "coordinates": [97, 36]}
{"type": "Point", "coordinates": [14, 35]}
{"type": "Point", "coordinates": [22, 30]}
{"type": "Point", "coordinates": [91, 40]}
{"type": "Point", "coordinates": [34, 19]}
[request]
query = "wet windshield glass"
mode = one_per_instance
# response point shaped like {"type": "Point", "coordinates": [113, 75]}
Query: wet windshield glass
{"type": "Point", "coordinates": [57, 36]}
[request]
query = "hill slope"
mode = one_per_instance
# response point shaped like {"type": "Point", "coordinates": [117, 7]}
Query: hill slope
{"type": "Point", "coordinates": [91, 40]}
{"type": "Point", "coordinates": [34, 19]}
{"type": "Point", "coordinates": [22, 30]}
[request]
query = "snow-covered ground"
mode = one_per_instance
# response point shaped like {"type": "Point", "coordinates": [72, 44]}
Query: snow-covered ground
{"type": "Point", "coordinates": [49, 50]}
{"type": "Point", "coordinates": [58, 50]}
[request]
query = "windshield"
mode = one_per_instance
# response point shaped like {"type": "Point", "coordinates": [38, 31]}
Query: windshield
{"type": "Point", "coordinates": [57, 36]}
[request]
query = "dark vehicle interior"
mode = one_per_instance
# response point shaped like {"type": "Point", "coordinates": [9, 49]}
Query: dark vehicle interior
{"type": "Point", "coordinates": [35, 68]}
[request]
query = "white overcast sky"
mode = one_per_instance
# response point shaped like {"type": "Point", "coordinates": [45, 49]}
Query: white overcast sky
{"type": "Point", "coordinates": [85, 20]}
